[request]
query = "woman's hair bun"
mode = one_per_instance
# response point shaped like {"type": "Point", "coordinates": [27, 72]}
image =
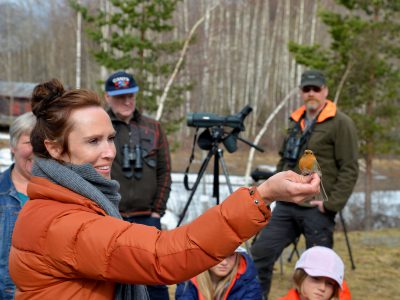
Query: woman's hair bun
{"type": "Point", "coordinates": [44, 94]}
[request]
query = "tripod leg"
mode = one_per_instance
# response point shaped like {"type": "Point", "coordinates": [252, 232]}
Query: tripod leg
{"type": "Point", "coordinates": [294, 250]}
{"type": "Point", "coordinates": [216, 178]}
{"type": "Point", "coordinates": [199, 176]}
{"type": "Point", "coordinates": [228, 182]}
{"type": "Point", "coordinates": [353, 266]}
{"type": "Point", "coordinates": [225, 170]}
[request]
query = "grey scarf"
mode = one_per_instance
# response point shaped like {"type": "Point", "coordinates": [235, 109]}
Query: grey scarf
{"type": "Point", "coordinates": [84, 180]}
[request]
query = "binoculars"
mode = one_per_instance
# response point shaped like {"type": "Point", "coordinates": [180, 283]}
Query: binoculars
{"type": "Point", "coordinates": [132, 163]}
{"type": "Point", "coordinates": [292, 148]}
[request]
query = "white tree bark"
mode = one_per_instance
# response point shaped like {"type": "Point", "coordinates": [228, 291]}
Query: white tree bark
{"type": "Point", "coordinates": [105, 6]}
{"type": "Point", "coordinates": [342, 81]}
{"type": "Point", "coordinates": [78, 48]}
{"type": "Point", "coordinates": [180, 60]}
{"type": "Point", "coordinates": [260, 70]}
{"type": "Point", "coordinates": [313, 22]}
{"type": "Point", "coordinates": [250, 159]}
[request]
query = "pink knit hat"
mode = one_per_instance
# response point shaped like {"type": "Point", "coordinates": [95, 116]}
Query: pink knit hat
{"type": "Point", "coordinates": [322, 262]}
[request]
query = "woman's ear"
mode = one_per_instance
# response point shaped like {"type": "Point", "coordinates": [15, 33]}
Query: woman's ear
{"type": "Point", "coordinates": [53, 148]}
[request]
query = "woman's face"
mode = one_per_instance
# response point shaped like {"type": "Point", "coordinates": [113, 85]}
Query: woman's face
{"type": "Point", "coordinates": [317, 288]}
{"type": "Point", "coordinates": [224, 267]}
{"type": "Point", "coordinates": [91, 140]}
{"type": "Point", "coordinates": [23, 156]}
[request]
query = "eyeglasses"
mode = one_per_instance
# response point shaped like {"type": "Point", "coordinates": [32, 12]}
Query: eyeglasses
{"type": "Point", "coordinates": [308, 88]}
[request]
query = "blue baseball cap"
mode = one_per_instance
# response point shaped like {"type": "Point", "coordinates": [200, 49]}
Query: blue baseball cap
{"type": "Point", "coordinates": [121, 83]}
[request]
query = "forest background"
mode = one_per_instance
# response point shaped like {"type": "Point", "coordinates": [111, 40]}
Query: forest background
{"type": "Point", "coordinates": [239, 54]}
{"type": "Point", "coordinates": [235, 53]}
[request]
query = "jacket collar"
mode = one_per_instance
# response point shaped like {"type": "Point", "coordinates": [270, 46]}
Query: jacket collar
{"type": "Point", "coordinates": [329, 111]}
{"type": "Point", "coordinates": [136, 116]}
{"type": "Point", "coordinates": [42, 188]}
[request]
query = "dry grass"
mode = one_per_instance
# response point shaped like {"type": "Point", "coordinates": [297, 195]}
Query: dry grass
{"type": "Point", "coordinates": [377, 260]}
{"type": "Point", "coordinates": [376, 257]}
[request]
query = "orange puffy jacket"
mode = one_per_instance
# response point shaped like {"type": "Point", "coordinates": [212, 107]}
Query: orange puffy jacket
{"type": "Point", "coordinates": [65, 247]}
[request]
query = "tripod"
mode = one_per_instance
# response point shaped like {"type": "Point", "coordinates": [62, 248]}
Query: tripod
{"type": "Point", "coordinates": [217, 152]}
{"type": "Point", "coordinates": [218, 157]}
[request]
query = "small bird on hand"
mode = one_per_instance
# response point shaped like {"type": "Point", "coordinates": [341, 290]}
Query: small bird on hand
{"type": "Point", "coordinates": [308, 164]}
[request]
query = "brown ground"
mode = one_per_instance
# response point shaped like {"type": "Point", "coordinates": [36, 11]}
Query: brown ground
{"type": "Point", "coordinates": [376, 256]}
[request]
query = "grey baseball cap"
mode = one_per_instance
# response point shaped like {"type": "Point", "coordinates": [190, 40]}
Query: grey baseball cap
{"type": "Point", "coordinates": [312, 78]}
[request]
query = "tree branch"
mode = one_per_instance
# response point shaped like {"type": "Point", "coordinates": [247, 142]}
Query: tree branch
{"type": "Point", "coordinates": [342, 81]}
{"type": "Point", "coordinates": [262, 131]}
{"type": "Point", "coordinates": [179, 63]}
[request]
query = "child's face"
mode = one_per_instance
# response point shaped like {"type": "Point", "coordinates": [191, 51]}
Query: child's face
{"type": "Point", "coordinates": [224, 267]}
{"type": "Point", "coordinates": [317, 288]}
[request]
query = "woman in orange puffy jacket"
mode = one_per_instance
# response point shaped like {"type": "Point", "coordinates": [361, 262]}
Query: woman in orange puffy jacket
{"type": "Point", "coordinates": [70, 242]}
{"type": "Point", "coordinates": [319, 275]}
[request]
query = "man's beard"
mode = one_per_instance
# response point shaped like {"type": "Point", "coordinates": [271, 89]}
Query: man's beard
{"type": "Point", "coordinates": [312, 106]}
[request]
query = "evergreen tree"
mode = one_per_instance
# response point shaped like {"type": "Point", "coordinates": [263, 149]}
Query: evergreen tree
{"type": "Point", "coordinates": [362, 66]}
{"type": "Point", "coordinates": [132, 37]}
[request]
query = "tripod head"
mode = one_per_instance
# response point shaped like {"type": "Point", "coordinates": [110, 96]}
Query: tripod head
{"type": "Point", "coordinates": [215, 129]}
{"type": "Point", "coordinates": [210, 140]}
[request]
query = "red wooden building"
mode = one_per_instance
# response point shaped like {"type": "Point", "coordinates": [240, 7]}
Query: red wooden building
{"type": "Point", "coordinates": [14, 100]}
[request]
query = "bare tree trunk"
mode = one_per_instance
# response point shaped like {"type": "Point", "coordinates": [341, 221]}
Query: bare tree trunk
{"type": "Point", "coordinates": [205, 86]}
{"type": "Point", "coordinates": [263, 35]}
{"type": "Point", "coordinates": [261, 133]}
{"type": "Point", "coordinates": [217, 96]}
{"type": "Point", "coordinates": [368, 190]}
{"type": "Point", "coordinates": [227, 54]}
{"type": "Point", "coordinates": [9, 59]}
{"type": "Point", "coordinates": [247, 40]}
{"type": "Point", "coordinates": [342, 81]}
{"type": "Point", "coordinates": [30, 37]}
{"type": "Point", "coordinates": [313, 23]}
{"type": "Point", "coordinates": [179, 63]}
{"type": "Point", "coordinates": [105, 6]}
{"type": "Point", "coordinates": [271, 53]}
{"type": "Point", "coordinates": [235, 75]}
{"type": "Point", "coordinates": [78, 48]}
{"type": "Point", "coordinates": [286, 76]}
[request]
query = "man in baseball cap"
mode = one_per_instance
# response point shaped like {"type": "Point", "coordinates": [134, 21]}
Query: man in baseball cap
{"type": "Point", "coordinates": [121, 83]}
{"type": "Point", "coordinates": [317, 125]}
{"type": "Point", "coordinates": [142, 163]}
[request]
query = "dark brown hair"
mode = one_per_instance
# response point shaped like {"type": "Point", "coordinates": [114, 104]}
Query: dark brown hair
{"type": "Point", "coordinates": [52, 106]}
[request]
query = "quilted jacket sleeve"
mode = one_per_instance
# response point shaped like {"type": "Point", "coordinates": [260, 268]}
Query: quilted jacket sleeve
{"type": "Point", "coordinates": [81, 243]}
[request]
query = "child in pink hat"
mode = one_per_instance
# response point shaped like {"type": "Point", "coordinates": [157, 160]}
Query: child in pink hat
{"type": "Point", "coordinates": [318, 275]}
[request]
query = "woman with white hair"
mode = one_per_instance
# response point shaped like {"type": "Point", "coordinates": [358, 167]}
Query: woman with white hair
{"type": "Point", "coordinates": [13, 195]}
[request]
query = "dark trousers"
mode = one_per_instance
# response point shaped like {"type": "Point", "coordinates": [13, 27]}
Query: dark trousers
{"type": "Point", "coordinates": [156, 292]}
{"type": "Point", "coordinates": [288, 222]}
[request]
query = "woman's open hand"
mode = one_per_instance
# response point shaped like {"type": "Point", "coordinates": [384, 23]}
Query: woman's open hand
{"type": "Point", "coordinates": [290, 187]}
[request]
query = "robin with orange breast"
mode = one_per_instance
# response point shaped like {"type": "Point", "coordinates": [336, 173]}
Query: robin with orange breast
{"type": "Point", "coordinates": [317, 130]}
{"type": "Point", "coordinates": [308, 164]}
